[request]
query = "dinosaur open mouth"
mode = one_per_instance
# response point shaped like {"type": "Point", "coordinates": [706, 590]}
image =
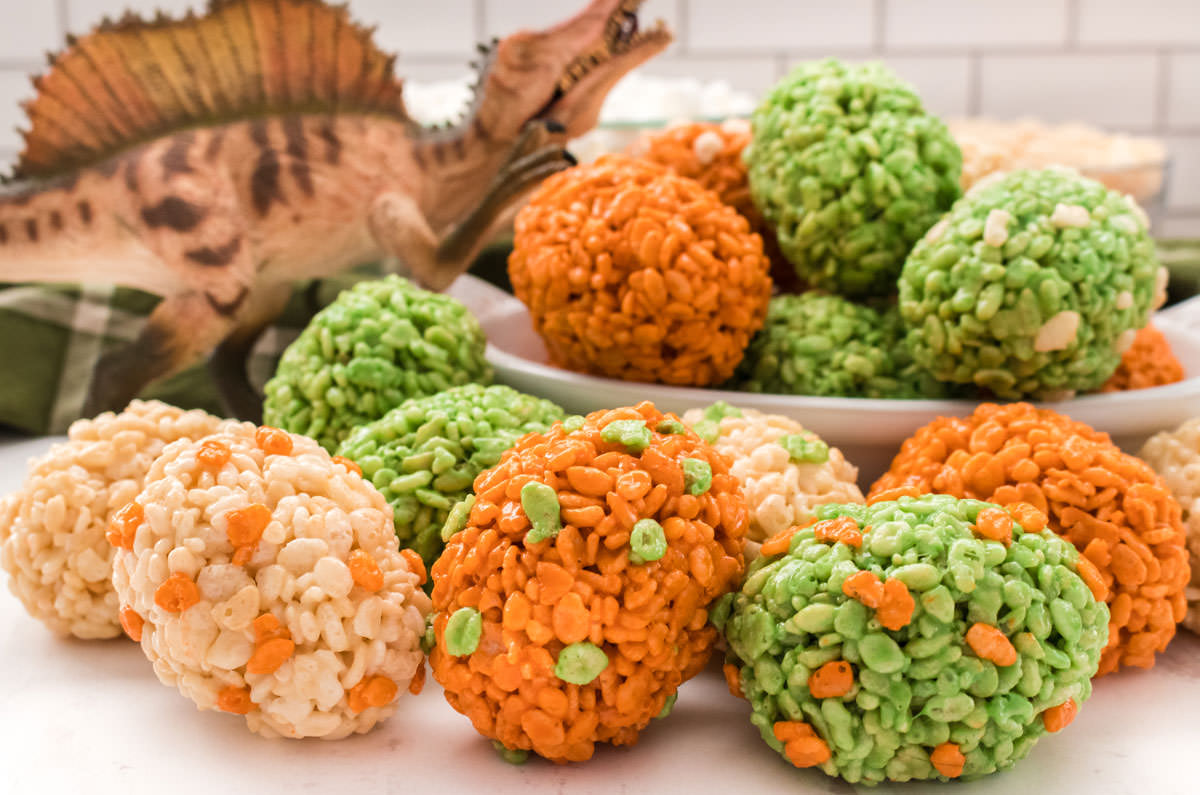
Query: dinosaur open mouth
{"type": "Point", "coordinates": [622, 34]}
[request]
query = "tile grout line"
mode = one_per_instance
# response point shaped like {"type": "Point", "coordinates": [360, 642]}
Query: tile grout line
{"type": "Point", "coordinates": [681, 34]}
{"type": "Point", "coordinates": [974, 83]}
{"type": "Point", "coordinates": [1162, 96]}
{"type": "Point", "coordinates": [1072, 42]}
{"type": "Point", "coordinates": [879, 28]}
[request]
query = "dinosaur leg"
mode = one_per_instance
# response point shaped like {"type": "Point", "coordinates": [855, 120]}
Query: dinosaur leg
{"type": "Point", "coordinates": [229, 362]}
{"type": "Point", "coordinates": [180, 330]}
{"type": "Point", "coordinates": [402, 229]}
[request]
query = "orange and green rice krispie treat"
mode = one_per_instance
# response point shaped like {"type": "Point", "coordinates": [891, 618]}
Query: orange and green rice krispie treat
{"type": "Point", "coordinates": [574, 600]}
{"type": "Point", "coordinates": [261, 578]}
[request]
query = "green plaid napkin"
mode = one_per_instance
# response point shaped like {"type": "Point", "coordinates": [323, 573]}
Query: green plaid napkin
{"type": "Point", "coordinates": [51, 337]}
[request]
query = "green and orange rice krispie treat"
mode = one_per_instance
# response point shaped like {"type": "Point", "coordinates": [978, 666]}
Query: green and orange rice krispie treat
{"type": "Point", "coordinates": [926, 638]}
{"type": "Point", "coordinates": [575, 599]}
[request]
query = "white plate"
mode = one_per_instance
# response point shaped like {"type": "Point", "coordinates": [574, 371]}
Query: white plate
{"type": "Point", "coordinates": [869, 431]}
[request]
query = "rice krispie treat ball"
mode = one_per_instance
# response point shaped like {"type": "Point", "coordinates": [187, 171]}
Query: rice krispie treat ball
{"type": "Point", "coordinates": [52, 535]}
{"type": "Point", "coordinates": [785, 470]}
{"type": "Point", "coordinates": [424, 454]}
{"type": "Point", "coordinates": [1033, 284]}
{"type": "Point", "coordinates": [929, 638]}
{"type": "Point", "coordinates": [1113, 507]}
{"type": "Point", "coordinates": [631, 271]}
{"type": "Point", "coordinates": [813, 344]}
{"type": "Point", "coordinates": [1148, 362]}
{"type": "Point", "coordinates": [850, 169]}
{"type": "Point", "coordinates": [378, 344]}
{"type": "Point", "coordinates": [261, 578]}
{"type": "Point", "coordinates": [1175, 456]}
{"type": "Point", "coordinates": [575, 600]}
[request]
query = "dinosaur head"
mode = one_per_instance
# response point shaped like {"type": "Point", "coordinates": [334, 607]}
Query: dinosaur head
{"type": "Point", "coordinates": [563, 73]}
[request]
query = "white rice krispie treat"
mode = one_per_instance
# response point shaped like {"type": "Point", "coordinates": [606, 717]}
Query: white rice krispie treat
{"type": "Point", "coordinates": [262, 578]}
{"type": "Point", "coordinates": [1175, 455]}
{"type": "Point", "coordinates": [52, 536]}
{"type": "Point", "coordinates": [785, 470]}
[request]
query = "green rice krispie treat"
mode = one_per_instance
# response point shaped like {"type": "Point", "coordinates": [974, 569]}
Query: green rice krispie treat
{"type": "Point", "coordinates": [378, 344]}
{"type": "Point", "coordinates": [814, 344]}
{"type": "Point", "coordinates": [424, 454]}
{"type": "Point", "coordinates": [919, 638]}
{"type": "Point", "coordinates": [1033, 285]}
{"type": "Point", "coordinates": [850, 170]}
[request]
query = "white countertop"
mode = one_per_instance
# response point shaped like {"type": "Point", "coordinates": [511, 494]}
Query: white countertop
{"type": "Point", "coordinates": [81, 716]}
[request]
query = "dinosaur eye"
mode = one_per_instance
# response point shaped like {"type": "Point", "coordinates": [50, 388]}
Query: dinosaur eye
{"type": "Point", "coordinates": [629, 26]}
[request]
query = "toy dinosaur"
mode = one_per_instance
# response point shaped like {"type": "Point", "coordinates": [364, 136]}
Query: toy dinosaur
{"type": "Point", "coordinates": [214, 160]}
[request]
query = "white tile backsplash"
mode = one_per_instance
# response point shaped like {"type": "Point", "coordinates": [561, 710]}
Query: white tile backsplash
{"type": "Point", "coordinates": [954, 24]}
{"type": "Point", "coordinates": [1142, 22]}
{"type": "Point", "coordinates": [1112, 90]}
{"type": "Point", "coordinates": [1131, 65]}
{"type": "Point", "coordinates": [779, 25]}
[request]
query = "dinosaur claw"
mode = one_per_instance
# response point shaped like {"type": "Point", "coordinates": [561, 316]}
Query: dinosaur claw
{"type": "Point", "coordinates": [553, 126]}
{"type": "Point", "coordinates": [570, 158]}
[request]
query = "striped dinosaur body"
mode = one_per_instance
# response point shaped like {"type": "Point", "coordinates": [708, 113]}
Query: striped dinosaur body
{"type": "Point", "coordinates": [134, 180]}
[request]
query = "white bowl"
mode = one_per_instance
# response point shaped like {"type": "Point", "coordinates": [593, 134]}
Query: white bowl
{"type": "Point", "coordinates": [869, 431]}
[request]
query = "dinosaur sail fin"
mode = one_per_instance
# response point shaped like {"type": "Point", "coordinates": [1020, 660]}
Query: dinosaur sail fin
{"type": "Point", "coordinates": [133, 80]}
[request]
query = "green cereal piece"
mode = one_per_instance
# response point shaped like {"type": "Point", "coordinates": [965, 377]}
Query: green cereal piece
{"type": "Point", "coordinates": [670, 426]}
{"type": "Point", "coordinates": [463, 629]}
{"type": "Point", "coordinates": [720, 410]}
{"type": "Point", "coordinates": [668, 705]}
{"type": "Point", "coordinates": [920, 685]}
{"type": "Point", "coordinates": [540, 503]}
{"type": "Point", "coordinates": [514, 756]}
{"type": "Point", "coordinates": [708, 430]}
{"type": "Point", "coordinates": [697, 476]}
{"type": "Point", "coordinates": [376, 345]}
{"type": "Point", "coordinates": [802, 449]}
{"type": "Point", "coordinates": [572, 423]}
{"type": "Point", "coordinates": [457, 518]}
{"type": "Point", "coordinates": [580, 663]}
{"type": "Point", "coordinates": [633, 434]}
{"type": "Point", "coordinates": [647, 542]}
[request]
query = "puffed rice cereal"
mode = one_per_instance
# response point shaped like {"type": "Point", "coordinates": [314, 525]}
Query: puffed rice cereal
{"type": "Point", "coordinates": [261, 578]}
{"type": "Point", "coordinates": [1175, 456]}
{"type": "Point", "coordinates": [1111, 506]}
{"type": "Point", "coordinates": [785, 470]}
{"type": "Point", "coordinates": [52, 531]}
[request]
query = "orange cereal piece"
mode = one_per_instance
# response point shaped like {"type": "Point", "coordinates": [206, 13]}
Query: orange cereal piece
{"type": "Point", "coordinates": [897, 607]}
{"type": "Point", "coordinates": [557, 644]}
{"type": "Point", "coordinates": [1058, 717]}
{"type": "Point", "coordinates": [235, 700]}
{"type": "Point", "coordinates": [865, 587]}
{"type": "Point", "coordinates": [267, 627]}
{"type": "Point", "coordinates": [995, 524]}
{"type": "Point", "coordinates": [989, 643]}
{"type": "Point", "coordinates": [348, 464]}
{"type": "Point", "coordinates": [733, 680]}
{"type": "Point", "coordinates": [213, 454]}
{"type": "Point", "coordinates": [271, 654]}
{"type": "Point", "coordinates": [124, 524]}
{"type": "Point", "coordinates": [834, 679]}
{"type": "Point", "coordinates": [417, 684]}
{"type": "Point", "coordinates": [656, 280]}
{"type": "Point", "coordinates": [842, 530]}
{"type": "Point", "coordinates": [273, 441]}
{"type": "Point", "coordinates": [1050, 471]}
{"type": "Point", "coordinates": [365, 570]}
{"type": "Point", "coordinates": [948, 760]}
{"type": "Point", "coordinates": [415, 564]}
{"type": "Point", "coordinates": [779, 543]}
{"type": "Point", "coordinates": [132, 623]}
{"type": "Point", "coordinates": [177, 593]}
{"type": "Point", "coordinates": [1148, 362]}
{"type": "Point", "coordinates": [245, 526]}
{"type": "Point", "coordinates": [801, 745]}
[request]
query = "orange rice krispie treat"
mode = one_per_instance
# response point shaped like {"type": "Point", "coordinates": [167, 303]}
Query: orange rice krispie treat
{"type": "Point", "coordinates": [52, 534]}
{"type": "Point", "coordinates": [634, 272]}
{"type": "Point", "coordinates": [1148, 362]}
{"type": "Point", "coordinates": [575, 600]}
{"type": "Point", "coordinates": [261, 578]}
{"type": "Point", "coordinates": [1110, 505]}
